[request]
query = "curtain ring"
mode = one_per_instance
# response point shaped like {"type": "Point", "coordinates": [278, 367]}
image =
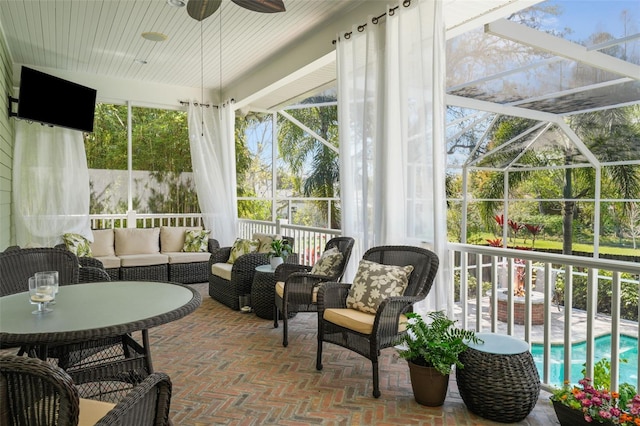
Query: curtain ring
{"type": "Point", "coordinates": [392, 12]}
{"type": "Point", "coordinates": [374, 20]}
{"type": "Point", "coordinates": [406, 3]}
{"type": "Point", "coordinates": [361, 27]}
{"type": "Point", "coordinates": [347, 36]}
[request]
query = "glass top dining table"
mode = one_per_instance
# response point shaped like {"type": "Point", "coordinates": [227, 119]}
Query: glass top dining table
{"type": "Point", "coordinates": [88, 318]}
{"type": "Point", "coordinates": [94, 310]}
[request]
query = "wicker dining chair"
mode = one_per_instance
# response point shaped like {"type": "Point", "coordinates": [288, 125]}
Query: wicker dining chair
{"type": "Point", "coordinates": [17, 265]}
{"type": "Point", "coordinates": [36, 393]}
{"type": "Point", "coordinates": [297, 288]}
{"type": "Point", "coordinates": [365, 333]}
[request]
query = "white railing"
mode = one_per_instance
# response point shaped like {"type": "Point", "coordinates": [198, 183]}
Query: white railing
{"type": "Point", "coordinates": [505, 269]}
{"type": "Point", "coordinates": [308, 242]}
{"type": "Point", "coordinates": [144, 220]}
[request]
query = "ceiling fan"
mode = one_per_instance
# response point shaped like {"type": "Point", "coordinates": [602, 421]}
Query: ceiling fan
{"type": "Point", "coordinates": [202, 9]}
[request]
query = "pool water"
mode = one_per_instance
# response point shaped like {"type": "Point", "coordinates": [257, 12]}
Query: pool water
{"type": "Point", "coordinates": [628, 351]}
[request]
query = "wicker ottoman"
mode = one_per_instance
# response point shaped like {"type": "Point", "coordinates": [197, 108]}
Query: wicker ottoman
{"type": "Point", "coordinates": [499, 380]}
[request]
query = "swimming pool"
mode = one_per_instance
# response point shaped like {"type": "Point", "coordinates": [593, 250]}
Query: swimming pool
{"type": "Point", "coordinates": [628, 351]}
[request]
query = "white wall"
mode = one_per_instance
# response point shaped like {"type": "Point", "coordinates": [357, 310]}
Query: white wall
{"type": "Point", "coordinates": [6, 146]}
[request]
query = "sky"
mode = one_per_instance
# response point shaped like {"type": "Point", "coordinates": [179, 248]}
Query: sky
{"type": "Point", "coordinates": [585, 17]}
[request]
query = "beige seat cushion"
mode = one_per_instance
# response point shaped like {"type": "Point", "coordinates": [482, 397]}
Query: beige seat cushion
{"type": "Point", "coordinates": [91, 411]}
{"type": "Point", "coordinates": [188, 257]}
{"type": "Point", "coordinates": [109, 262]}
{"type": "Point", "coordinates": [137, 241]}
{"type": "Point", "coordinates": [172, 237]}
{"type": "Point", "coordinates": [143, 259]}
{"type": "Point", "coordinates": [280, 291]}
{"type": "Point", "coordinates": [222, 270]}
{"type": "Point", "coordinates": [355, 320]}
{"type": "Point", "coordinates": [102, 245]}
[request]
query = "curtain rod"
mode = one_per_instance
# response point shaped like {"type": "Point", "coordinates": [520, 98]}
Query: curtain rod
{"type": "Point", "coordinates": [374, 20]}
{"type": "Point", "coordinates": [197, 104]}
{"type": "Point", "coordinates": [230, 101]}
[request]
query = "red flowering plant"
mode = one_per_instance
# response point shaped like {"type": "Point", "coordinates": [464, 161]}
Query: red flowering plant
{"type": "Point", "coordinates": [597, 403]}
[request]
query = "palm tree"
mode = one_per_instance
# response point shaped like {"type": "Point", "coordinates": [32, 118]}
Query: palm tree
{"type": "Point", "coordinates": [611, 135]}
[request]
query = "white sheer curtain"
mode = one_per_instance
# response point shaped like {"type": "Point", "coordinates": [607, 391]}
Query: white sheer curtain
{"type": "Point", "coordinates": [211, 138]}
{"type": "Point", "coordinates": [392, 146]}
{"type": "Point", "coordinates": [50, 185]}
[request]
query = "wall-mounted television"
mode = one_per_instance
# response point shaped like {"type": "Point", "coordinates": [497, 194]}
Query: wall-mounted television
{"type": "Point", "coordinates": [55, 101]}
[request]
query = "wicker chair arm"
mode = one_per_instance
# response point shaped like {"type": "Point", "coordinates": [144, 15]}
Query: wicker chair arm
{"type": "Point", "coordinates": [89, 274]}
{"type": "Point", "coordinates": [150, 398]}
{"type": "Point", "coordinates": [298, 288]}
{"type": "Point", "coordinates": [213, 245]}
{"type": "Point", "coordinates": [385, 325]}
{"type": "Point", "coordinates": [220, 255]}
{"type": "Point", "coordinates": [284, 270]}
{"type": "Point", "coordinates": [332, 295]}
{"type": "Point", "coordinates": [91, 262]}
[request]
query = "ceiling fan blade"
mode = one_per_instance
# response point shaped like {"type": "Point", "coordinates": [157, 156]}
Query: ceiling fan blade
{"type": "Point", "coordinates": [262, 6]}
{"type": "Point", "coordinates": [202, 9]}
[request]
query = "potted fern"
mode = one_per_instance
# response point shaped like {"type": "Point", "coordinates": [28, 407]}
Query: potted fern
{"type": "Point", "coordinates": [431, 349]}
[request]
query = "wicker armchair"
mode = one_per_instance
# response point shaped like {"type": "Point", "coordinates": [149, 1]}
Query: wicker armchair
{"type": "Point", "coordinates": [385, 324]}
{"type": "Point", "coordinates": [36, 393]}
{"type": "Point", "coordinates": [228, 292]}
{"type": "Point", "coordinates": [297, 288]}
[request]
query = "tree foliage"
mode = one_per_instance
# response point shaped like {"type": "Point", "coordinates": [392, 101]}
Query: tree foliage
{"type": "Point", "coordinates": [314, 164]}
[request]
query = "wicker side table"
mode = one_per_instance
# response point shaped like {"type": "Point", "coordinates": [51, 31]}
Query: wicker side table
{"type": "Point", "coordinates": [263, 291]}
{"type": "Point", "coordinates": [499, 380]}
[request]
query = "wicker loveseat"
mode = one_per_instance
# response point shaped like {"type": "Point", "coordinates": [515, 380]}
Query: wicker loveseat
{"type": "Point", "coordinates": [227, 282]}
{"type": "Point", "coordinates": [154, 254]}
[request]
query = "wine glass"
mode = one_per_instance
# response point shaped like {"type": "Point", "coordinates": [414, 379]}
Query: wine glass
{"type": "Point", "coordinates": [54, 276]}
{"type": "Point", "coordinates": [41, 292]}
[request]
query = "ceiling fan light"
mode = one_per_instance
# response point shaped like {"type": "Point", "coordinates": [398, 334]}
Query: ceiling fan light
{"type": "Point", "coordinates": [176, 3]}
{"type": "Point", "coordinates": [154, 36]}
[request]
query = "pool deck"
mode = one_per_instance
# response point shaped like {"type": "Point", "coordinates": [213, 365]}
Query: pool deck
{"type": "Point", "coordinates": [602, 324]}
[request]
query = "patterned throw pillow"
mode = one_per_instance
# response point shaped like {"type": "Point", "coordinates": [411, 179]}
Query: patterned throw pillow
{"type": "Point", "coordinates": [241, 247]}
{"type": "Point", "coordinates": [329, 263]}
{"type": "Point", "coordinates": [263, 242]}
{"type": "Point", "coordinates": [375, 282]}
{"type": "Point", "coordinates": [77, 244]}
{"type": "Point", "coordinates": [196, 241]}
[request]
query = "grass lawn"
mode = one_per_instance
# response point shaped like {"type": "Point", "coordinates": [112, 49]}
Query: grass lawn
{"type": "Point", "coordinates": [542, 244]}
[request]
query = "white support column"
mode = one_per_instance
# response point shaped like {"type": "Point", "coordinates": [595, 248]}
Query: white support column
{"type": "Point", "coordinates": [131, 214]}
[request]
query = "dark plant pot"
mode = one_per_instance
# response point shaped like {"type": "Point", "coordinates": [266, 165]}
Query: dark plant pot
{"type": "Point", "coordinates": [569, 417]}
{"type": "Point", "coordinates": [429, 385]}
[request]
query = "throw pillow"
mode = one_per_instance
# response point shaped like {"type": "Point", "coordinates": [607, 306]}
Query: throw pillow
{"type": "Point", "coordinates": [263, 242]}
{"type": "Point", "coordinates": [77, 244]}
{"type": "Point", "coordinates": [240, 247]}
{"type": "Point", "coordinates": [196, 241]}
{"type": "Point", "coordinates": [329, 263]}
{"type": "Point", "coordinates": [375, 282]}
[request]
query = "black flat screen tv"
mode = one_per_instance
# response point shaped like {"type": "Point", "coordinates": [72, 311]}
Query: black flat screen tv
{"type": "Point", "coordinates": [55, 101]}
